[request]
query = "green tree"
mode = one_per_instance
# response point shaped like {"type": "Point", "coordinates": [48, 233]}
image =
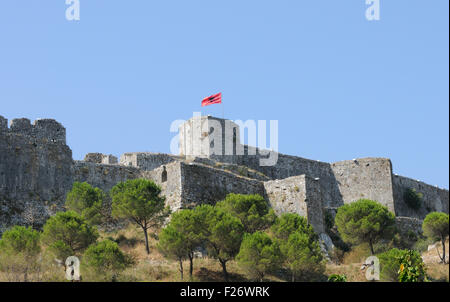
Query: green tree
{"type": "Point", "coordinates": [172, 245]}
{"type": "Point", "coordinates": [253, 211]}
{"type": "Point", "coordinates": [106, 259]}
{"type": "Point", "coordinates": [435, 226]}
{"type": "Point", "coordinates": [19, 250]}
{"type": "Point", "coordinates": [67, 234]}
{"type": "Point", "coordinates": [259, 254]}
{"type": "Point", "coordinates": [187, 224]}
{"type": "Point", "coordinates": [222, 233]}
{"type": "Point", "coordinates": [365, 221]}
{"type": "Point", "coordinates": [303, 256]}
{"type": "Point", "coordinates": [87, 201]}
{"type": "Point", "coordinates": [139, 201]}
{"type": "Point", "coordinates": [289, 223]}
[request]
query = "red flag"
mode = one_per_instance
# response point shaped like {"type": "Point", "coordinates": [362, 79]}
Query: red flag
{"type": "Point", "coordinates": [214, 99]}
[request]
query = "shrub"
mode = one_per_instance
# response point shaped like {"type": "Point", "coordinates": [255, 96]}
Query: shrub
{"type": "Point", "coordinates": [365, 221]}
{"type": "Point", "coordinates": [106, 259]}
{"type": "Point", "coordinates": [390, 263]}
{"type": "Point", "coordinates": [19, 251]}
{"type": "Point", "coordinates": [413, 198]}
{"type": "Point", "coordinates": [412, 268]}
{"type": "Point", "coordinates": [337, 278]}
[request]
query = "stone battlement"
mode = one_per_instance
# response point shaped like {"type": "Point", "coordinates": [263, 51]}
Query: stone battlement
{"type": "Point", "coordinates": [41, 129]}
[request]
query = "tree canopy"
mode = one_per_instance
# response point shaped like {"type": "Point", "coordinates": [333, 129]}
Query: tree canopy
{"type": "Point", "coordinates": [67, 234]}
{"type": "Point", "coordinates": [259, 254]}
{"type": "Point", "coordinates": [87, 201]}
{"type": "Point", "coordinates": [436, 226]}
{"type": "Point", "coordinates": [364, 221]}
{"type": "Point", "coordinates": [252, 209]}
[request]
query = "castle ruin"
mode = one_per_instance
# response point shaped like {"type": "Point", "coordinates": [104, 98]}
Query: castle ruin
{"type": "Point", "coordinates": [37, 171]}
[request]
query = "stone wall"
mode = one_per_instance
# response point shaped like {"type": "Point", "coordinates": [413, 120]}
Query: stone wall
{"type": "Point", "coordinates": [206, 185]}
{"type": "Point", "coordinates": [100, 158]}
{"type": "Point", "coordinates": [168, 177]}
{"type": "Point", "coordinates": [297, 194]}
{"type": "Point", "coordinates": [368, 178]}
{"type": "Point", "coordinates": [101, 175]}
{"type": "Point", "coordinates": [434, 198]}
{"type": "Point", "coordinates": [147, 161]}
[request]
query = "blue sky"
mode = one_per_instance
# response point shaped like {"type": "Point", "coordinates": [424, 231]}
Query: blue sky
{"type": "Point", "coordinates": [341, 87]}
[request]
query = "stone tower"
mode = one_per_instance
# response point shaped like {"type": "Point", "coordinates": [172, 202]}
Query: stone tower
{"type": "Point", "coordinates": [209, 137]}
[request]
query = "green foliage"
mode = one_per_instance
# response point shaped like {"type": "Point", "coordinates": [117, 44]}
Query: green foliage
{"type": "Point", "coordinates": [289, 223]}
{"type": "Point", "coordinates": [365, 221]}
{"type": "Point", "coordinates": [181, 237]}
{"type": "Point", "coordinates": [21, 240]}
{"type": "Point", "coordinates": [67, 234]}
{"type": "Point", "coordinates": [106, 259]}
{"type": "Point", "coordinates": [303, 256]}
{"type": "Point", "coordinates": [412, 268]}
{"type": "Point", "coordinates": [87, 201]}
{"type": "Point", "coordinates": [390, 263]}
{"type": "Point", "coordinates": [259, 254]}
{"type": "Point", "coordinates": [299, 246]}
{"type": "Point", "coordinates": [19, 251]}
{"type": "Point", "coordinates": [252, 210]}
{"type": "Point", "coordinates": [139, 201]}
{"type": "Point", "coordinates": [436, 226]}
{"type": "Point", "coordinates": [222, 233]}
{"type": "Point", "coordinates": [337, 278]}
{"type": "Point", "coordinates": [413, 198]}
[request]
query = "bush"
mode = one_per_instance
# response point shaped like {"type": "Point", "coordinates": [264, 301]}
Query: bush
{"type": "Point", "coordinates": [390, 263]}
{"type": "Point", "coordinates": [337, 278]}
{"type": "Point", "coordinates": [365, 221]}
{"type": "Point", "coordinates": [412, 198]}
{"type": "Point", "coordinates": [19, 251]}
{"type": "Point", "coordinates": [106, 259]}
{"type": "Point", "coordinates": [412, 268]}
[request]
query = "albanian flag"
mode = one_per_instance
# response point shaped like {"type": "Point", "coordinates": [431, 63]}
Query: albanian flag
{"type": "Point", "coordinates": [214, 99]}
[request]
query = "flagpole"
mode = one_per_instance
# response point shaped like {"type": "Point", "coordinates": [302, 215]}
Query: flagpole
{"type": "Point", "coordinates": [223, 114]}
